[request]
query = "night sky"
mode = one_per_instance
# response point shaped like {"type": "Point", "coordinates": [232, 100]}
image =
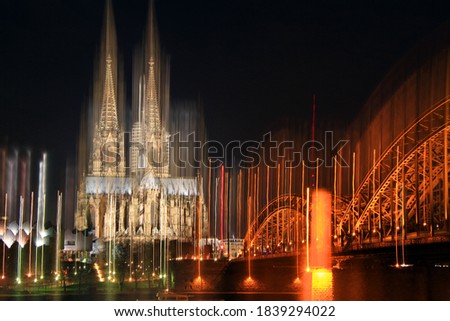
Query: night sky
{"type": "Point", "coordinates": [253, 63]}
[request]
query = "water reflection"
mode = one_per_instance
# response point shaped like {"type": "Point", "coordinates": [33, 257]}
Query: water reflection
{"type": "Point", "coordinates": [322, 285]}
{"type": "Point", "coordinates": [201, 284]}
{"type": "Point", "coordinates": [318, 285]}
{"type": "Point", "coordinates": [251, 284]}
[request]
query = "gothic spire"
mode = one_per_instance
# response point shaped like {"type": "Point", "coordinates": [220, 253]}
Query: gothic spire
{"type": "Point", "coordinates": [154, 121]}
{"type": "Point", "coordinates": [152, 99]}
{"type": "Point", "coordinates": [108, 117]}
{"type": "Point", "coordinates": [108, 131]}
{"type": "Point", "coordinates": [108, 113]}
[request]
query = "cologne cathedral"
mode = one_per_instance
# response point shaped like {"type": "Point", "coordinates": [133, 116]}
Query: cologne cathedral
{"type": "Point", "coordinates": [130, 189]}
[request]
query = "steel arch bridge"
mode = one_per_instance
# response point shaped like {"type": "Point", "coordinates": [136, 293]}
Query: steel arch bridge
{"type": "Point", "coordinates": [281, 225]}
{"type": "Point", "coordinates": [405, 195]}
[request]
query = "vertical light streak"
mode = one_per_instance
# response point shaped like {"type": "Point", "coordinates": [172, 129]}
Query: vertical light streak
{"type": "Point", "coordinates": [5, 218]}
{"type": "Point", "coordinates": [315, 231]}
{"type": "Point", "coordinates": [76, 250]}
{"type": "Point", "coordinates": [267, 195]}
{"type": "Point", "coordinates": [249, 245]}
{"type": "Point", "coordinates": [58, 235]}
{"type": "Point", "coordinates": [373, 190]}
{"type": "Point", "coordinates": [256, 208]}
{"type": "Point", "coordinates": [166, 240]}
{"type": "Point", "coordinates": [180, 223]}
{"type": "Point", "coordinates": [282, 213]}
{"type": "Point", "coordinates": [109, 236]}
{"type": "Point", "coordinates": [316, 226]}
{"type": "Point", "coordinates": [313, 121]}
{"type": "Point", "coordinates": [303, 194]}
{"type": "Point", "coordinates": [239, 205]}
{"type": "Point", "coordinates": [380, 221]}
{"type": "Point", "coordinates": [396, 211]}
{"type": "Point", "coordinates": [201, 215]}
{"type": "Point", "coordinates": [43, 243]}
{"type": "Point", "coordinates": [424, 179]}
{"type": "Point", "coordinates": [222, 182]}
{"type": "Point", "coordinates": [226, 211]}
{"type": "Point", "coordinates": [446, 172]}
{"type": "Point", "coordinates": [155, 222]}
{"type": "Point", "coordinates": [249, 227]}
{"type": "Point", "coordinates": [307, 230]}
{"type": "Point", "coordinates": [114, 229]}
{"type": "Point", "coordinates": [30, 249]}
{"type": "Point", "coordinates": [19, 246]}
{"type": "Point", "coordinates": [430, 189]}
{"type": "Point", "coordinates": [161, 231]}
{"type": "Point", "coordinates": [278, 205]}
{"type": "Point", "coordinates": [403, 208]}
{"type": "Point", "coordinates": [230, 192]}
{"type": "Point", "coordinates": [215, 216]}
{"type": "Point", "coordinates": [130, 231]}
{"type": "Point", "coordinates": [198, 229]}
{"type": "Point", "coordinates": [290, 201]}
{"type": "Point", "coordinates": [335, 198]}
{"type": "Point", "coordinates": [44, 189]}
{"type": "Point", "coordinates": [353, 195]}
{"type": "Point", "coordinates": [209, 196]}
{"type": "Point", "coordinates": [317, 175]}
{"type": "Point", "coordinates": [320, 245]}
{"type": "Point", "coordinates": [38, 222]}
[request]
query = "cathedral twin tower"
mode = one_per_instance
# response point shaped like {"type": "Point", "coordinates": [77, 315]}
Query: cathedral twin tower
{"type": "Point", "coordinates": [149, 138]}
{"type": "Point", "coordinates": [126, 191]}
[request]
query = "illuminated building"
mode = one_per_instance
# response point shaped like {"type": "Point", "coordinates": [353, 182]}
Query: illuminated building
{"type": "Point", "coordinates": [127, 195]}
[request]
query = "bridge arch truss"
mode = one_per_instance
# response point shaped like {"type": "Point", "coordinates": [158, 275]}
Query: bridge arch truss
{"type": "Point", "coordinates": [405, 194]}
{"type": "Point", "coordinates": [280, 227]}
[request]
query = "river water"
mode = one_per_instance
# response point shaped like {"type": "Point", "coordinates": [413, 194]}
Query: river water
{"type": "Point", "coordinates": [353, 277]}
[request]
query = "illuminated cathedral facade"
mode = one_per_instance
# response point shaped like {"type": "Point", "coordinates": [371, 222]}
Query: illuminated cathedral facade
{"type": "Point", "coordinates": [127, 193]}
